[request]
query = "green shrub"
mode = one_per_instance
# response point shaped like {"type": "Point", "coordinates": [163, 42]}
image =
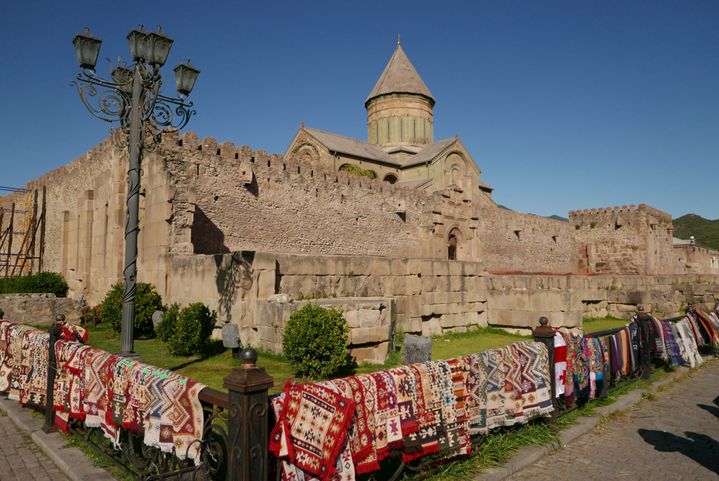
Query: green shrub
{"type": "Point", "coordinates": [147, 301]}
{"type": "Point", "coordinates": [357, 170]}
{"type": "Point", "coordinates": [193, 327]}
{"type": "Point", "coordinates": [167, 326]}
{"type": "Point", "coordinates": [315, 341]}
{"type": "Point", "coordinates": [42, 282]}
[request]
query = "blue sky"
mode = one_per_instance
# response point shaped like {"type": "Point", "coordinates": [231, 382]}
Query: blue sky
{"type": "Point", "coordinates": [563, 104]}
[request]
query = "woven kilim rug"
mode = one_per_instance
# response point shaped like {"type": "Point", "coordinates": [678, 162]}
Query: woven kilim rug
{"type": "Point", "coordinates": [314, 422]}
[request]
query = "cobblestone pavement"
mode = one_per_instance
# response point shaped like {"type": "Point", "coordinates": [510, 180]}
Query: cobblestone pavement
{"type": "Point", "coordinates": [21, 459]}
{"type": "Point", "coordinates": [674, 437]}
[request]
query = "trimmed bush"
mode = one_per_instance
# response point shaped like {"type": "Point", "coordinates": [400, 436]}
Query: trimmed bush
{"type": "Point", "coordinates": [192, 328]}
{"type": "Point", "coordinates": [42, 282]}
{"type": "Point", "coordinates": [166, 327]}
{"type": "Point", "coordinates": [147, 301]}
{"type": "Point", "coordinates": [315, 341]}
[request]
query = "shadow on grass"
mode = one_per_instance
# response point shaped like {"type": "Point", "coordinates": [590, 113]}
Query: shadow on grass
{"type": "Point", "coordinates": [212, 349]}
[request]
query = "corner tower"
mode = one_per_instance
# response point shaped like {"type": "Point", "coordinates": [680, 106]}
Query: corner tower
{"type": "Point", "coordinates": [399, 108]}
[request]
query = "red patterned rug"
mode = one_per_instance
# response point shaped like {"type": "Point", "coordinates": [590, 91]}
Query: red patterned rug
{"type": "Point", "coordinates": [314, 423]}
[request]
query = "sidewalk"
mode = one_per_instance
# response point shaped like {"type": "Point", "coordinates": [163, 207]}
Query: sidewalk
{"type": "Point", "coordinates": [21, 459]}
{"type": "Point", "coordinates": [29, 454]}
{"type": "Point", "coordinates": [673, 433]}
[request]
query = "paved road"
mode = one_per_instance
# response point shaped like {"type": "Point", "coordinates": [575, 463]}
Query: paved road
{"type": "Point", "coordinates": [21, 459]}
{"type": "Point", "coordinates": [674, 437]}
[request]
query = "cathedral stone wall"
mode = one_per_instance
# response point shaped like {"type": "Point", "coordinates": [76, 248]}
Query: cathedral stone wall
{"type": "Point", "coordinates": [291, 207]}
{"type": "Point", "coordinates": [515, 242]}
{"type": "Point", "coordinates": [429, 296]}
{"type": "Point", "coordinates": [234, 228]}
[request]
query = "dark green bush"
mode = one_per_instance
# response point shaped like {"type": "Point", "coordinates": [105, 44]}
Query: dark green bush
{"type": "Point", "coordinates": [315, 341]}
{"type": "Point", "coordinates": [147, 301]}
{"type": "Point", "coordinates": [166, 328]}
{"type": "Point", "coordinates": [42, 282]}
{"type": "Point", "coordinates": [193, 327]}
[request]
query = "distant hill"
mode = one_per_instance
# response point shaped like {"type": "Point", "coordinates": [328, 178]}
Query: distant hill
{"type": "Point", "coordinates": [705, 232]}
{"type": "Point", "coordinates": [558, 217]}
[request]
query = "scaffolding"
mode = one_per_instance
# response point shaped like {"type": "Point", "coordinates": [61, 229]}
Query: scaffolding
{"type": "Point", "coordinates": [22, 232]}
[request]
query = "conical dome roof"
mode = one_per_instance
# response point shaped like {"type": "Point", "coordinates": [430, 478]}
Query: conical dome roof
{"type": "Point", "coordinates": [399, 76]}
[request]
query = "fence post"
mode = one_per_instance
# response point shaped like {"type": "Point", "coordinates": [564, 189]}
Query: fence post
{"type": "Point", "coordinates": [545, 334]}
{"type": "Point", "coordinates": [643, 319]}
{"type": "Point", "coordinates": [54, 332]}
{"type": "Point", "coordinates": [248, 423]}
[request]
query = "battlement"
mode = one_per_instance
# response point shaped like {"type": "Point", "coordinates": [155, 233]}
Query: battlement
{"type": "Point", "coordinates": [618, 211]}
{"type": "Point", "coordinates": [269, 167]}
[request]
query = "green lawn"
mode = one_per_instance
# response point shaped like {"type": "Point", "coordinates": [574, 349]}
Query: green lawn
{"type": "Point", "coordinates": [596, 324]}
{"type": "Point", "coordinates": [453, 345]}
{"type": "Point", "coordinates": [212, 370]}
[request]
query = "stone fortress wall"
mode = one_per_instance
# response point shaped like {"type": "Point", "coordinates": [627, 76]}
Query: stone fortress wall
{"type": "Point", "coordinates": [634, 239]}
{"type": "Point", "coordinates": [235, 228]}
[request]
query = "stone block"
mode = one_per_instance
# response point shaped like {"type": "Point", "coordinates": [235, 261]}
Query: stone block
{"type": "Point", "coordinates": [470, 268]}
{"type": "Point", "coordinates": [359, 265]}
{"type": "Point", "coordinates": [428, 283]}
{"type": "Point", "coordinates": [264, 261]}
{"type": "Point", "coordinates": [399, 267]}
{"type": "Point", "coordinates": [458, 297]}
{"type": "Point", "coordinates": [456, 329]}
{"type": "Point", "coordinates": [440, 308]}
{"type": "Point", "coordinates": [371, 355]}
{"type": "Point", "coordinates": [545, 300]}
{"type": "Point", "coordinates": [267, 334]}
{"type": "Point", "coordinates": [448, 320]}
{"type": "Point", "coordinates": [369, 317]}
{"type": "Point", "coordinates": [415, 306]}
{"type": "Point", "coordinates": [440, 268]}
{"type": "Point", "coordinates": [299, 265]}
{"type": "Point", "coordinates": [266, 284]}
{"type": "Point", "coordinates": [367, 335]}
{"type": "Point", "coordinates": [440, 298]}
{"type": "Point", "coordinates": [442, 283]}
{"type": "Point", "coordinates": [402, 304]}
{"type": "Point", "coordinates": [411, 324]}
{"type": "Point", "coordinates": [396, 285]}
{"type": "Point", "coordinates": [413, 284]}
{"type": "Point", "coordinates": [431, 327]}
{"type": "Point", "coordinates": [471, 319]}
{"type": "Point", "coordinates": [414, 266]}
{"type": "Point", "coordinates": [380, 267]}
{"type": "Point", "coordinates": [455, 268]}
{"type": "Point", "coordinates": [416, 349]}
{"type": "Point", "coordinates": [352, 318]}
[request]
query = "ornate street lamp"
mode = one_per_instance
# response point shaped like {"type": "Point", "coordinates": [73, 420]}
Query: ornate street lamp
{"type": "Point", "coordinates": [132, 97]}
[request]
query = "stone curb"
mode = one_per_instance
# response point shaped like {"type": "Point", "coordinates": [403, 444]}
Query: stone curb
{"type": "Point", "coordinates": [70, 460]}
{"type": "Point", "coordinates": [529, 455]}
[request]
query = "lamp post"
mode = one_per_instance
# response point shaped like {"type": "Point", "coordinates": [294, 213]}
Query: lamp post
{"type": "Point", "coordinates": [132, 97]}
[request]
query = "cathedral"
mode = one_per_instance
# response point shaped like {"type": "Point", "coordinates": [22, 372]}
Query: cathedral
{"type": "Point", "coordinates": [400, 146]}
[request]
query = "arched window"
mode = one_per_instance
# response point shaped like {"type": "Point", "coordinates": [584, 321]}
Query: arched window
{"type": "Point", "coordinates": [452, 246]}
{"type": "Point", "coordinates": [390, 178]}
